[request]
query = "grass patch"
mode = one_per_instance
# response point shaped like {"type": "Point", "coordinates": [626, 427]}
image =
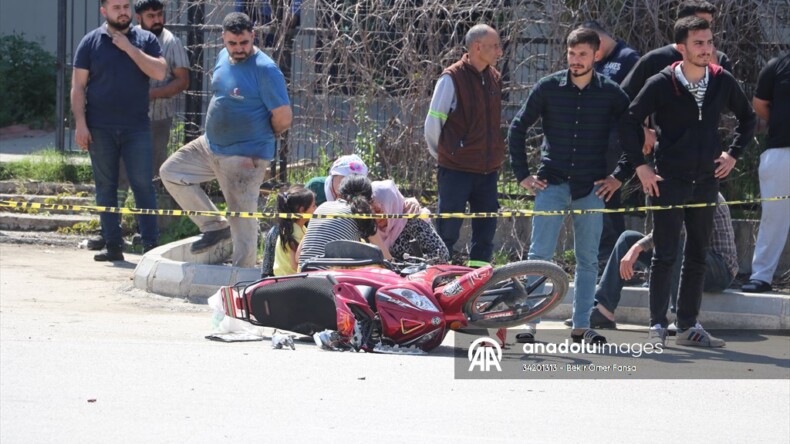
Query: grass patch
{"type": "Point", "coordinates": [47, 166]}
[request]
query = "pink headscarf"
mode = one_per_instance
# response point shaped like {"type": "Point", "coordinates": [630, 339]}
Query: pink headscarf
{"type": "Point", "coordinates": [391, 201]}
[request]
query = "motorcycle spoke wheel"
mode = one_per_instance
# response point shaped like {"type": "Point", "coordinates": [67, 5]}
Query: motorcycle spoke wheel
{"type": "Point", "coordinates": [517, 293]}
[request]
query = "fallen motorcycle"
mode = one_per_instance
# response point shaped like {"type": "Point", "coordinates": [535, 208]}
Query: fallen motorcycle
{"type": "Point", "coordinates": [354, 299]}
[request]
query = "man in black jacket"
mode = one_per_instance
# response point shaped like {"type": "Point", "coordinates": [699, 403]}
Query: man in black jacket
{"type": "Point", "coordinates": [687, 99]}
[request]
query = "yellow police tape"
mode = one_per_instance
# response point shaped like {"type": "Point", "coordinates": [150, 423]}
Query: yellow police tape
{"type": "Point", "coordinates": [273, 215]}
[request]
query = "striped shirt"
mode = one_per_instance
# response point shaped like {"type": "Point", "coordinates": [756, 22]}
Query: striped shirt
{"type": "Point", "coordinates": [176, 57]}
{"type": "Point", "coordinates": [321, 231]}
{"type": "Point", "coordinates": [696, 89]}
{"type": "Point", "coordinates": [576, 128]}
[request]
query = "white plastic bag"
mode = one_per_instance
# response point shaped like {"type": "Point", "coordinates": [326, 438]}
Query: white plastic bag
{"type": "Point", "coordinates": [226, 324]}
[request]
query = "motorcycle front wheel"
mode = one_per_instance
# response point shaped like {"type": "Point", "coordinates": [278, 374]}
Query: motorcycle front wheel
{"type": "Point", "coordinates": [517, 293]}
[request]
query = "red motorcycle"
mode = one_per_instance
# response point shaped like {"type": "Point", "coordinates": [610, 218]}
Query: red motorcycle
{"type": "Point", "coordinates": [354, 299]}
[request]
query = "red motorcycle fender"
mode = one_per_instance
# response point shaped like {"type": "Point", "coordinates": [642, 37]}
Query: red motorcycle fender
{"type": "Point", "coordinates": [347, 295]}
{"type": "Point", "coordinates": [454, 295]}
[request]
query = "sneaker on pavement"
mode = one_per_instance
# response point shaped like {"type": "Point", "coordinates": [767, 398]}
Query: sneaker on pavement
{"type": "Point", "coordinates": [109, 254]}
{"type": "Point", "coordinates": [95, 242]}
{"type": "Point", "coordinates": [209, 239]}
{"type": "Point", "coordinates": [657, 335]}
{"type": "Point", "coordinates": [696, 336]}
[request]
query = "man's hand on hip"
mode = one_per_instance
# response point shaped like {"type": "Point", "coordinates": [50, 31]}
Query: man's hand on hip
{"type": "Point", "coordinates": [650, 141]}
{"type": "Point", "coordinates": [649, 179]}
{"type": "Point", "coordinates": [725, 163]}
{"type": "Point", "coordinates": [608, 187]}
{"type": "Point", "coordinates": [533, 184]}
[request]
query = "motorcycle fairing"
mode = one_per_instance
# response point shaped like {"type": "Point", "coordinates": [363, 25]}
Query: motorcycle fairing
{"type": "Point", "coordinates": [410, 316]}
{"type": "Point", "coordinates": [455, 294]}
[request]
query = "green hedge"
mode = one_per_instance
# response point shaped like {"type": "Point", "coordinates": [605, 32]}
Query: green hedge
{"type": "Point", "coordinates": [27, 82]}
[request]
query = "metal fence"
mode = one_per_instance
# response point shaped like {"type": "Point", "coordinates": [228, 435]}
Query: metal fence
{"type": "Point", "coordinates": [360, 73]}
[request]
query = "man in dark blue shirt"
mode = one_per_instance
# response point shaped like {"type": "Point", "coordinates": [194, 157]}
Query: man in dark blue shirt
{"type": "Point", "coordinates": [579, 108]}
{"type": "Point", "coordinates": [109, 100]}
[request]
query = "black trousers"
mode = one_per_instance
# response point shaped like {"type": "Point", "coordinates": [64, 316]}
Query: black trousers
{"type": "Point", "coordinates": [666, 235]}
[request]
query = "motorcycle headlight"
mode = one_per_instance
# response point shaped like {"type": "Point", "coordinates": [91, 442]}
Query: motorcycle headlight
{"type": "Point", "coordinates": [416, 299]}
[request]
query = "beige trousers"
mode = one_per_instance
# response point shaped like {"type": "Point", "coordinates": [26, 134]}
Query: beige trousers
{"type": "Point", "coordinates": [239, 179]}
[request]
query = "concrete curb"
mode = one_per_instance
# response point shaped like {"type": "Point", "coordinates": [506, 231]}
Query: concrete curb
{"type": "Point", "coordinates": [730, 309]}
{"type": "Point", "coordinates": [172, 270]}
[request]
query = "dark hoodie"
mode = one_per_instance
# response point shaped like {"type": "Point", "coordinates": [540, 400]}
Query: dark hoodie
{"type": "Point", "coordinates": [688, 141]}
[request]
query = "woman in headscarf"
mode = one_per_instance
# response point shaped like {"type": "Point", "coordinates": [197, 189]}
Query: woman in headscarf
{"type": "Point", "coordinates": [355, 197]}
{"type": "Point", "coordinates": [326, 189]}
{"type": "Point", "coordinates": [398, 235]}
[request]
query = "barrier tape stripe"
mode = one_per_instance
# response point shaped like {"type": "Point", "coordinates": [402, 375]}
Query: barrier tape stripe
{"type": "Point", "coordinates": [272, 215]}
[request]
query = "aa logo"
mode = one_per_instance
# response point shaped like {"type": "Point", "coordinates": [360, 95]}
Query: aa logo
{"type": "Point", "coordinates": [485, 354]}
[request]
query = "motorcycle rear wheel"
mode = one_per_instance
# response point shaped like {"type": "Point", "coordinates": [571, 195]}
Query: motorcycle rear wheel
{"type": "Point", "coordinates": [517, 293]}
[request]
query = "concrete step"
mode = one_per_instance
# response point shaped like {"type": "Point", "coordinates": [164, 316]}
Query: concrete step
{"type": "Point", "coordinates": [46, 188]}
{"type": "Point", "coordinates": [41, 222]}
{"type": "Point", "coordinates": [47, 199]}
{"type": "Point", "coordinates": [730, 309]}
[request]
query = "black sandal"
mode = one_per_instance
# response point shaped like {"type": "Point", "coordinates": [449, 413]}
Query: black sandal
{"type": "Point", "coordinates": [589, 336]}
{"type": "Point", "coordinates": [755, 286]}
{"type": "Point", "coordinates": [525, 338]}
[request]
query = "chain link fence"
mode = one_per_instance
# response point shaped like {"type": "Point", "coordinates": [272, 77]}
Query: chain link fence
{"type": "Point", "coordinates": [361, 73]}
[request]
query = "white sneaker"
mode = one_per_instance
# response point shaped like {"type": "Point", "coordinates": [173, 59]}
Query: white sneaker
{"type": "Point", "coordinates": [696, 336]}
{"type": "Point", "coordinates": [657, 335]}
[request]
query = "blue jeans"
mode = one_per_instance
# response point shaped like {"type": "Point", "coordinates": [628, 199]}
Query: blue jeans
{"type": "Point", "coordinates": [456, 188]}
{"type": "Point", "coordinates": [717, 276]}
{"type": "Point", "coordinates": [109, 146]}
{"type": "Point", "coordinates": [586, 235]}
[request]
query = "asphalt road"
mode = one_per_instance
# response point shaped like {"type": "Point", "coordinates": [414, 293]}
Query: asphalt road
{"type": "Point", "coordinates": [84, 358]}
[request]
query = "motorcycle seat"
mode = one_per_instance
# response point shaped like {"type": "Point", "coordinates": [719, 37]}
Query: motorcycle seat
{"type": "Point", "coordinates": [346, 254]}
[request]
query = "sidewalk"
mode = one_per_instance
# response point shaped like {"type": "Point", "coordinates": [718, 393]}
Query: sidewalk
{"type": "Point", "coordinates": [16, 147]}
